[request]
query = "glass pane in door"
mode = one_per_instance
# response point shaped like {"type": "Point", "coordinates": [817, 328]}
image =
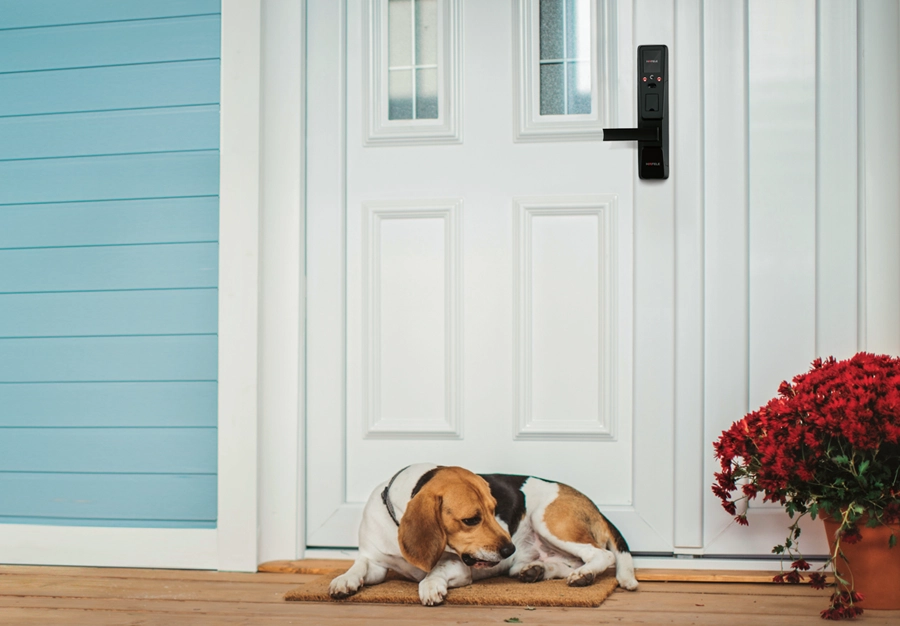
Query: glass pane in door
{"type": "Point", "coordinates": [413, 57]}
{"type": "Point", "coordinates": [565, 58]}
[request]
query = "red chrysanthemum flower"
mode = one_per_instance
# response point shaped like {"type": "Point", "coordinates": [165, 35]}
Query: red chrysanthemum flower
{"type": "Point", "coordinates": [817, 580]}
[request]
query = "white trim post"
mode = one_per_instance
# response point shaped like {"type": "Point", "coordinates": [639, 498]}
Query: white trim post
{"type": "Point", "coordinates": [282, 277]}
{"type": "Point", "coordinates": [239, 285]}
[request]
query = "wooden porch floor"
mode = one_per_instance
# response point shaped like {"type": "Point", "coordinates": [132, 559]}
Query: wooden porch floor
{"type": "Point", "coordinates": [105, 596]}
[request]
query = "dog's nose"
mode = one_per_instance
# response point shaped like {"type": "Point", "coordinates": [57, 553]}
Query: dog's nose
{"type": "Point", "coordinates": [507, 550]}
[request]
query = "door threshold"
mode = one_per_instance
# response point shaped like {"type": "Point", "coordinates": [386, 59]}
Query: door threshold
{"type": "Point", "coordinates": [647, 569]}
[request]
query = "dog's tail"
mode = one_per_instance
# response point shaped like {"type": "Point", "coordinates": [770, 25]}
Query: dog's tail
{"type": "Point", "coordinates": [616, 544]}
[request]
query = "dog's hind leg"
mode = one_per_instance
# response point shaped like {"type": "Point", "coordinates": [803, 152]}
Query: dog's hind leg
{"type": "Point", "coordinates": [362, 572]}
{"type": "Point", "coordinates": [573, 524]}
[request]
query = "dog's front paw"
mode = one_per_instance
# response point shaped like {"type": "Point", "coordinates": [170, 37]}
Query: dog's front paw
{"type": "Point", "coordinates": [628, 582]}
{"type": "Point", "coordinates": [580, 578]}
{"type": "Point", "coordinates": [432, 591]}
{"type": "Point", "coordinates": [532, 573]}
{"type": "Point", "coordinates": [344, 586]}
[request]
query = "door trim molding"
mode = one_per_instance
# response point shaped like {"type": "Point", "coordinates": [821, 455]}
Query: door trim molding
{"type": "Point", "coordinates": [326, 216]}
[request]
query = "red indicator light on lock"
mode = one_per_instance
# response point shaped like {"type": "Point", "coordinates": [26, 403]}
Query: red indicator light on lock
{"type": "Point", "coordinates": [659, 79]}
{"type": "Point", "coordinates": [645, 79]}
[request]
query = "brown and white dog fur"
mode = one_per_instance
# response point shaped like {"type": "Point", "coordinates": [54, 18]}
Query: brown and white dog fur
{"type": "Point", "coordinates": [446, 526]}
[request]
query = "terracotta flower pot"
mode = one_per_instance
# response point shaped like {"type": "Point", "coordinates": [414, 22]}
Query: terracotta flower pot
{"type": "Point", "coordinates": [874, 566]}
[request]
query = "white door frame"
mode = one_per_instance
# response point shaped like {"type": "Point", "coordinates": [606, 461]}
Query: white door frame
{"type": "Point", "coordinates": [680, 343]}
{"type": "Point", "coordinates": [262, 280]}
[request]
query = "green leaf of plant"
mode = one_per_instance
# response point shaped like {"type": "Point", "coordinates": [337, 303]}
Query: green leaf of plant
{"type": "Point", "coordinates": [841, 459]}
{"type": "Point", "coordinates": [892, 541]}
{"type": "Point", "coordinates": [863, 467]}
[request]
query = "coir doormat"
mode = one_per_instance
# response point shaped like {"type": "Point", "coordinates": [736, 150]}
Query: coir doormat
{"type": "Point", "coordinates": [501, 591]}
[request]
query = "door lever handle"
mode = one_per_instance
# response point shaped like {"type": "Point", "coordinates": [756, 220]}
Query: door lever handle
{"type": "Point", "coordinates": [652, 132]}
{"type": "Point", "coordinates": [631, 134]}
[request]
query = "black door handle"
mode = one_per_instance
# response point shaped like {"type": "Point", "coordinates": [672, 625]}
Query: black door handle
{"type": "Point", "coordinates": [652, 133]}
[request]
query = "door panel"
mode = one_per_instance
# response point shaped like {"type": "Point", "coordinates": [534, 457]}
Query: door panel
{"type": "Point", "coordinates": [487, 311]}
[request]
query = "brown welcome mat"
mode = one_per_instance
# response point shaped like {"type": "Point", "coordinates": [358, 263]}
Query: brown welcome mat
{"type": "Point", "coordinates": [502, 591]}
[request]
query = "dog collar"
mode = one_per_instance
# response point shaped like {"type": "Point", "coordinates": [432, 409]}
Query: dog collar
{"type": "Point", "coordinates": [386, 498]}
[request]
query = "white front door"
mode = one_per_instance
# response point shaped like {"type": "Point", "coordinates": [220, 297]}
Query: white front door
{"type": "Point", "coordinates": [470, 253]}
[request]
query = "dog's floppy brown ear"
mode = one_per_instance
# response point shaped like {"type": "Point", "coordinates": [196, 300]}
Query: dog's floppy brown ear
{"type": "Point", "coordinates": [422, 536]}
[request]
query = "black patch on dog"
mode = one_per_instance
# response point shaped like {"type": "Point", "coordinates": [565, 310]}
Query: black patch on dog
{"type": "Point", "coordinates": [507, 490]}
{"type": "Point", "coordinates": [618, 539]}
{"type": "Point", "coordinates": [424, 479]}
{"type": "Point", "coordinates": [621, 544]}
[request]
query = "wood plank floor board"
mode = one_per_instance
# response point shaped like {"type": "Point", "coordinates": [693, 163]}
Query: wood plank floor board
{"type": "Point", "coordinates": [157, 574]}
{"type": "Point", "coordinates": [389, 615]}
{"type": "Point", "coordinates": [113, 596]}
{"type": "Point", "coordinates": [103, 588]}
{"type": "Point", "coordinates": [686, 601]}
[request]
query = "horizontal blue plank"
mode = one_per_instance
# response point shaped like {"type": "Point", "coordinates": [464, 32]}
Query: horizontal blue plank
{"type": "Point", "coordinates": [109, 496]}
{"type": "Point", "coordinates": [156, 312]}
{"type": "Point", "coordinates": [105, 523]}
{"type": "Point", "coordinates": [188, 357]}
{"type": "Point", "coordinates": [115, 43]}
{"type": "Point", "coordinates": [110, 132]}
{"type": "Point", "coordinates": [109, 450]}
{"type": "Point", "coordinates": [161, 220]}
{"type": "Point", "coordinates": [107, 88]}
{"type": "Point", "coordinates": [110, 178]}
{"type": "Point", "coordinates": [170, 404]}
{"type": "Point", "coordinates": [26, 13]}
{"type": "Point", "coordinates": [163, 266]}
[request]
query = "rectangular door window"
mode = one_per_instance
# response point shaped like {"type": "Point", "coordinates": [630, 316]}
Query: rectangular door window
{"type": "Point", "coordinates": [413, 51]}
{"type": "Point", "coordinates": [412, 59]}
{"type": "Point", "coordinates": [564, 51]}
{"type": "Point", "coordinates": [565, 61]}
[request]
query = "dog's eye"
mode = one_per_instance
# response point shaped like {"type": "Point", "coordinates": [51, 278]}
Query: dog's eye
{"type": "Point", "coordinates": [472, 521]}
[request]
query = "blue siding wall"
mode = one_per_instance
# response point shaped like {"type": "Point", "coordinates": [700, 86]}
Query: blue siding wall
{"type": "Point", "coordinates": [109, 158]}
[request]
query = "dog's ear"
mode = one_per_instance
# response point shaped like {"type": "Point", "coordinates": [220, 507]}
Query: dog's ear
{"type": "Point", "coordinates": [422, 536]}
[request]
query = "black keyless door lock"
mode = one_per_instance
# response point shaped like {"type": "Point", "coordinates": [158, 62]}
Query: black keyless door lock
{"type": "Point", "coordinates": [652, 133]}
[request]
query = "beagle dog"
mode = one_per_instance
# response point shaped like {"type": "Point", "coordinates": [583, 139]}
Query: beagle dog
{"type": "Point", "coordinates": [445, 527]}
